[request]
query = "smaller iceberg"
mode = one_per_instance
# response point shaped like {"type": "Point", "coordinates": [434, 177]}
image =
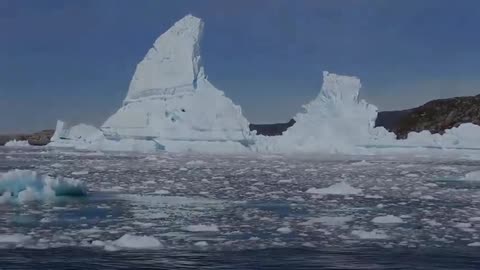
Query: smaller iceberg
{"type": "Point", "coordinates": [15, 143]}
{"type": "Point", "coordinates": [24, 185]}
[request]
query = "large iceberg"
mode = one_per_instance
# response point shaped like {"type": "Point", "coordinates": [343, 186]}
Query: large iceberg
{"type": "Point", "coordinates": [335, 121]}
{"type": "Point", "coordinates": [171, 100]}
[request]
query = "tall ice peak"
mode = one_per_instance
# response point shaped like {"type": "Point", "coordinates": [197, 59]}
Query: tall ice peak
{"type": "Point", "coordinates": [173, 65]}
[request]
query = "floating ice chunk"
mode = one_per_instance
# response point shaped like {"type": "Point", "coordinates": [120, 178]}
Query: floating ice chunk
{"type": "Point", "coordinates": [447, 168]}
{"type": "Point", "coordinates": [432, 222]}
{"type": "Point", "coordinates": [463, 225]}
{"type": "Point", "coordinates": [162, 192]}
{"type": "Point", "coordinates": [202, 228]}
{"type": "Point", "coordinates": [389, 219]}
{"type": "Point", "coordinates": [362, 163]}
{"type": "Point", "coordinates": [373, 197]}
{"type": "Point", "coordinates": [329, 221]}
{"type": "Point", "coordinates": [472, 176]}
{"type": "Point", "coordinates": [24, 185]}
{"type": "Point", "coordinates": [341, 188]}
{"type": "Point", "coordinates": [474, 219]}
{"type": "Point", "coordinates": [285, 181]}
{"type": "Point", "coordinates": [284, 230]}
{"type": "Point", "coordinates": [427, 197]}
{"type": "Point", "coordinates": [80, 173]}
{"type": "Point", "coordinates": [474, 244]}
{"type": "Point", "coordinates": [201, 244]}
{"type": "Point", "coordinates": [14, 239]}
{"type": "Point", "coordinates": [90, 231]}
{"type": "Point", "coordinates": [196, 163]}
{"type": "Point", "coordinates": [129, 241]}
{"type": "Point", "coordinates": [16, 143]}
{"type": "Point", "coordinates": [98, 243]}
{"type": "Point", "coordinates": [372, 235]}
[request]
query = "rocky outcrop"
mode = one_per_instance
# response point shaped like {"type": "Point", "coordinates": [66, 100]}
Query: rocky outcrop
{"type": "Point", "coordinates": [38, 139]}
{"type": "Point", "coordinates": [390, 119]}
{"type": "Point", "coordinates": [435, 116]}
{"type": "Point", "coordinates": [271, 129]}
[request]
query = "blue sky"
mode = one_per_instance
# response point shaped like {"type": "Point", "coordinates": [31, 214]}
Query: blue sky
{"type": "Point", "coordinates": [73, 60]}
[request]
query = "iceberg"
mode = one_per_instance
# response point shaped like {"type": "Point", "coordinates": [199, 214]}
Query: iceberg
{"type": "Point", "coordinates": [171, 100]}
{"type": "Point", "coordinates": [170, 105]}
{"type": "Point", "coordinates": [78, 136]}
{"type": "Point", "coordinates": [15, 143]}
{"type": "Point", "coordinates": [335, 121]}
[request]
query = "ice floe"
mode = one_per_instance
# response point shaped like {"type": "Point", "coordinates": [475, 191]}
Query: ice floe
{"type": "Point", "coordinates": [341, 188]}
{"type": "Point", "coordinates": [25, 185]}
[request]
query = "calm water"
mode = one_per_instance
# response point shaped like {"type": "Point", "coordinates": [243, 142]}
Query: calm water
{"type": "Point", "coordinates": [246, 212]}
{"type": "Point", "coordinates": [286, 258]}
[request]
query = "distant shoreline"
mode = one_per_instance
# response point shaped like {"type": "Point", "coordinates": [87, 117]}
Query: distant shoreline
{"type": "Point", "coordinates": [36, 139]}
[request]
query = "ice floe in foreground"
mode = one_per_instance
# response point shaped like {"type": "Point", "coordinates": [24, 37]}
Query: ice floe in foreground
{"type": "Point", "coordinates": [23, 186]}
{"type": "Point", "coordinates": [129, 241]}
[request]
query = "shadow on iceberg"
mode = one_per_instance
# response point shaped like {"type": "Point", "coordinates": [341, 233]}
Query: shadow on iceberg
{"type": "Point", "coordinates": [24, 186]}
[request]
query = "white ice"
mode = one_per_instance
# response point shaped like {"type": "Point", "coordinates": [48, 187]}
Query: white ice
{"type": "Point", "coordinates": [22, 186]}
{"type": "Point", "coordinates": [370, 235]}
{"type": "Point", "coordinates": [171, 105]}
{"type": "Point", "coordinates": [341, 188]}
{"type": "Point", "coordinates": [389, 219]}
{"type": "Point", "coordinates": [171, 100]}
{"type": "Point", "coordinates": [130, 241]}
{"type": "Point", "coordinates": [15, 143]}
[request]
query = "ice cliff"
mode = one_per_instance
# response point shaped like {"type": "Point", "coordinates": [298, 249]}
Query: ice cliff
{"type": "Point", "coordinates": [86, 137]}
{"type": "Point", "coordinates": [171, 100]}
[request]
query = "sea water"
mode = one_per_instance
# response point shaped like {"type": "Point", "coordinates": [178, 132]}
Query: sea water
{"type": "Point", "coordinates": [195, 211]}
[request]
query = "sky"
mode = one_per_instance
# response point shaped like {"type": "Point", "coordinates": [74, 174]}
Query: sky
{"type": "Point", "coordinates": [73, 60]}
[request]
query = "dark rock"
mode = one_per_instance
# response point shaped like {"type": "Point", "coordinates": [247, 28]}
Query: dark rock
{"type": "Point", "coordinates": [38, 139]}
{"type": "Point", "coordinates": [271, 129]}
{"type": "Point", "coordinates": [389, 119]}
{"type": "Point", "coordinates": [41, 138]}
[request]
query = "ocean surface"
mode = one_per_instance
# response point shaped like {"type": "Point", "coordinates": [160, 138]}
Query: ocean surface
{"type": "Point", "coordinates": [191, 211]}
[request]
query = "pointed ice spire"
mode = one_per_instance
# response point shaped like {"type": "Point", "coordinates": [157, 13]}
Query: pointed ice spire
{"type": "Point", "coordinates": [172, 64]}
